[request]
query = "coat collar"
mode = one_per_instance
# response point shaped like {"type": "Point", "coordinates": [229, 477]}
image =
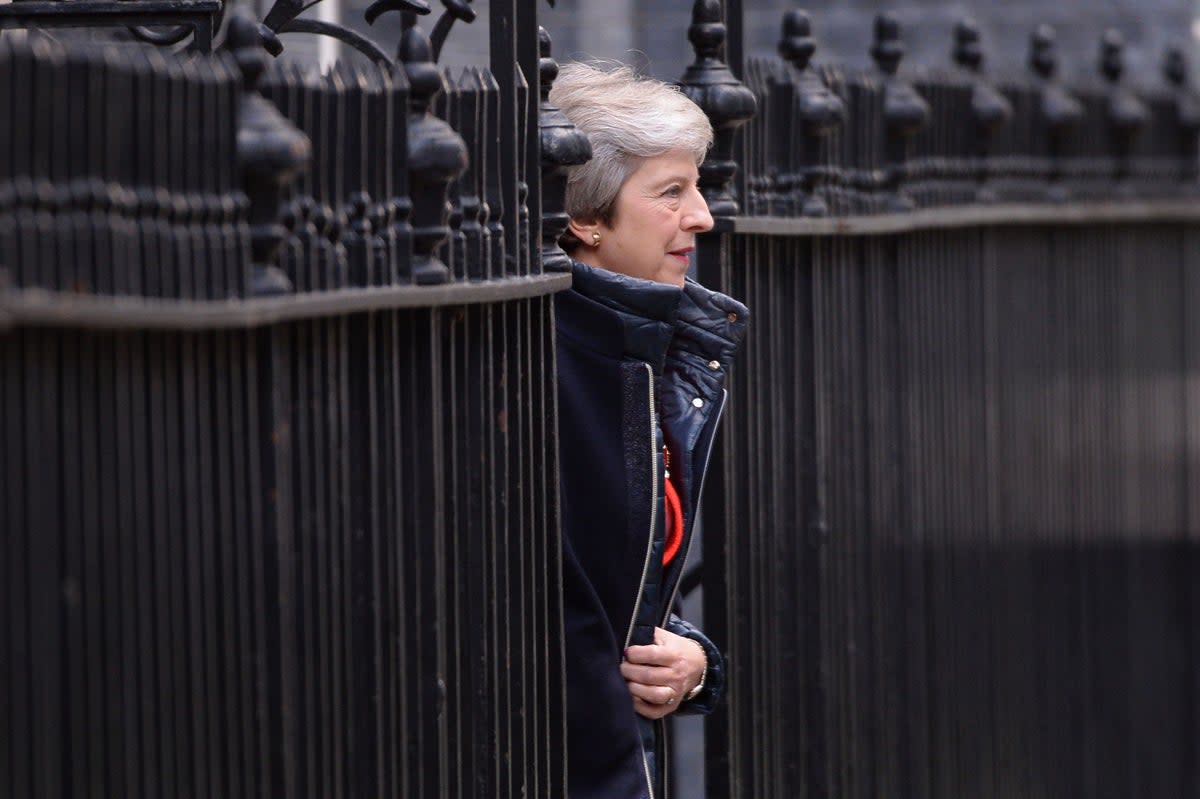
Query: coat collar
{"type": "Point", "coordinates": [710, 324]}
{"type": "Point", "coordinates": [654, 315]}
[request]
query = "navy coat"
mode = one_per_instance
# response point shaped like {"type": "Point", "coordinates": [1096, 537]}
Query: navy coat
{"type": "Point", "coordinates": [640, 364]}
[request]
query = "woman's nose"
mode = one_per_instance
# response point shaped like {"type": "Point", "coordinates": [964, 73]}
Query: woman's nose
{"type": "Point", "coordinates": [696, 218]}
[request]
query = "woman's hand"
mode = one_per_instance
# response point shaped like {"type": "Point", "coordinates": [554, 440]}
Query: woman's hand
{"type": "Point", "coordinates": [661, 674]}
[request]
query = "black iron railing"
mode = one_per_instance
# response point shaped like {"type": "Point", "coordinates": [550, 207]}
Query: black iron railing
{"type": "Point", "coordinates": [279, 514]}
{"type": "Point", "coordinates": [950, 549]}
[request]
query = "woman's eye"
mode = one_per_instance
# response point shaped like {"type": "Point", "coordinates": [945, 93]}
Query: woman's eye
{"type": "Point", "coordinates": [673, 191]}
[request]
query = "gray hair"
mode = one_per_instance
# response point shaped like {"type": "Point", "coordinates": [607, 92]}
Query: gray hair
{"type": "Point", "coordinates": [627, 117]}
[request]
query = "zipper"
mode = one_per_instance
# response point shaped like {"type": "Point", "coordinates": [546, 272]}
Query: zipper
{"type": "Point", "coordinates": [699, 489]}
{"type": "Point", "coordinates": [660, 724]}
{"type": "Point", "coordinates": [646, 768]}
{"type": "Point", "coordinates": [653, 504]}
{"type": "Point", "coordinates": [649, 542]}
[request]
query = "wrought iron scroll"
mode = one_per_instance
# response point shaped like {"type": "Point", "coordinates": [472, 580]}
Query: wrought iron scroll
{"type": "Point", "coordinates": [283, 17]}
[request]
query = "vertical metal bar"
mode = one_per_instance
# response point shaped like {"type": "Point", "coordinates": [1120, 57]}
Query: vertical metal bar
{"type": "Point", "coordinates": [361, 496]}
{"type": "Point", "coordinates": [77, 530]}
{"type": "Point", "coordinates": [530, 141]}
{"type": "Point", "coordinates": [93, 752]}
{"type": "Point", "coordinates": [199, 579]}
{"type": "Point", "coordinates": [223, 610]}
{"type": "Point", "coordinates": [497, 199]}
{"type": "Point", "coordinates": [44, 542]}
{"type": "Point", "coordinates": [502, 18]}
{"type": "Point", "coordinates": [15, 759]}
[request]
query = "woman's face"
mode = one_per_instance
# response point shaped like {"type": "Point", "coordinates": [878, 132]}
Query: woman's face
{"type": "Point", "coordinates": [656, 216]}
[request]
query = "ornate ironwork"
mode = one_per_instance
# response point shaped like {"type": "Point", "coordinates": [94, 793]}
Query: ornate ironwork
{"type": "Point", "coordinates": [709, 82]}
{"type": "Point", "coordinates": [456, 10]}
{"type": "Point", "coordinates": [283, 17]}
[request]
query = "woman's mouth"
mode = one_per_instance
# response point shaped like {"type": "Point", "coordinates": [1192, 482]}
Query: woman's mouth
{"type": "Point", "coordinates": [682, 254]}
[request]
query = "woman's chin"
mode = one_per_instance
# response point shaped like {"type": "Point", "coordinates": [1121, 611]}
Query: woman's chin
{"type": "Point", "coordinates": [673, 273]}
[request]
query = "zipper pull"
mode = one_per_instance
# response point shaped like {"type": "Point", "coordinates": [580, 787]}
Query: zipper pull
{"type": "Point", "coordinates": [666, 462]}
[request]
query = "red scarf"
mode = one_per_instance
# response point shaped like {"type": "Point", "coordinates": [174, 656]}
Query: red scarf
{"type": "Point", "coordinates": [674, 509]}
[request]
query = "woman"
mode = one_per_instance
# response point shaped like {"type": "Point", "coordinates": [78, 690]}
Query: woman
{"type": "Point", "coordinates": [642, 358]}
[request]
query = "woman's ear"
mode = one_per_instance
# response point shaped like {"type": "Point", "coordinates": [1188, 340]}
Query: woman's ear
{"type": "Point", "coordinates": [585, 231]}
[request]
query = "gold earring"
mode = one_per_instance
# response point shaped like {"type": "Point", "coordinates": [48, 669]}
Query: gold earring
{"type": "Point", "coordinates": [595, 239]}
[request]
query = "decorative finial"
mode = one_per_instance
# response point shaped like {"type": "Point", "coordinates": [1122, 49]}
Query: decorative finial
{"type": "Point", "coordinates": [563, 145]}
{"type": "Point", "coordinates": [1112, 55]}
{"type": "Point", "coordinates": [1187, 120]}
{"type": "Point", "coordinates": [904, 111]}
{"type": "Point", "coordinates": [1175, 67]}
{"type": "Point", "coordinates": [1058, 110]}
{"type": "Point", "coordinates": [818, 111]}
{"type": "Point", "coordinates": [887, 49]}
{"type": "Point", "coordinates": [968, 48]}
{"type": "Point", "coordinates": [1126, 113]}
{"type": "Point", "coordinates": [436, 157]}
{"type": "Point", "coordinates": [797, 45]}
{"type": "Point", "coordinates": [270, 150]}
{"type": "Point", "coordinates": [728, 103]}
{"type": "Point", "coordinates": [1043, 51]}
{"type": "Point", "coordinates": [990, 109]}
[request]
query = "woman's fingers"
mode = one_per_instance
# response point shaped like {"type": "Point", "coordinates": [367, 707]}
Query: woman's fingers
{"type": "Point", "coordinates": [654, 694]}
{"type": "Point", "coordinates": [660, 675]}
{"type": "Point", "coordinates": [650, 711]}
{"type": "Point", "coordinates": [647, 675]}
{"type": "Point", "coordinates": [650, 655]}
